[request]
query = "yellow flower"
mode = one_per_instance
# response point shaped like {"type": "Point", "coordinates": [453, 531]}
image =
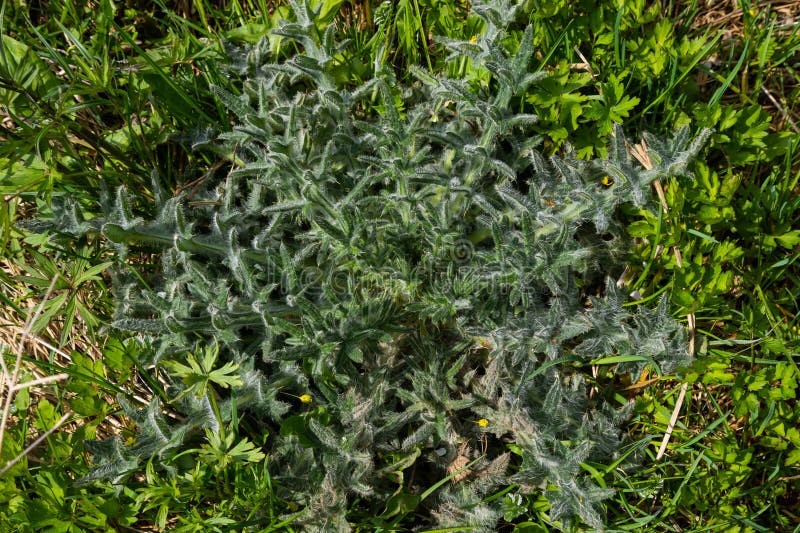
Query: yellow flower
{"type": "Point", "coordinates": [482, 422]}
{"type": "Point", "coordinates": [473, 39]}
{"type": "Point", "coordinates": [304, 398]}
{"type": "Point", "coordinates": [607, 181]}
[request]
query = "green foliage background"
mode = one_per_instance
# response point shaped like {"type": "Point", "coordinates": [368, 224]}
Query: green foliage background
{"type": "Point", "coordinates": [114, 95]}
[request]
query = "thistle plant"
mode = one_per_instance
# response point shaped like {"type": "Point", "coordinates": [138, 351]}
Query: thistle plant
{"type": "Point", "coordinates": [395, 286]}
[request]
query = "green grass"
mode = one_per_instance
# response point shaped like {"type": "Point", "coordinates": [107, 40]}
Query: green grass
{"type": "Point", "coordinates": [93, 98]}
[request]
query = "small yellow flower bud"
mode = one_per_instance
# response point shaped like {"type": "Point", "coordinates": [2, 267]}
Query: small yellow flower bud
{"type": "Point", "coordinates": [607, 181]}
{"type": "Point", "coordinates": [485, 342]}
{"type": "Point", "coordinates": [482, 422]}
{"type": "Point", "coordinates": [305, 398]}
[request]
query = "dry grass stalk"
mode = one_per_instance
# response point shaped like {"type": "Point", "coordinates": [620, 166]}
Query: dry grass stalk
{"type": "Point", "coordinates": [639, 151]}
{"type": "Point", "coordinates": [40, 345]}
{"type": "Point", "coordinates": [35, 443]}
{"type": "Point", "coordinates": [642, 149]}
{"type": "Point", "coordinates": [11, 386]}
